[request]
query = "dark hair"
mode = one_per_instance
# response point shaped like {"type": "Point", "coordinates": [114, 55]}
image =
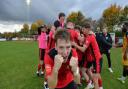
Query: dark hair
{"type": "Point", "coordinates": [125, 28]}
{"type": "Point", "coordinates": [79, 28]}
{"type": "Point", "coordinates": [61, 15]}
{"type": "Point", "coordinates": [86, 25]}
{"type": "Point", "coordinates": [57, 24]}
{"type": "Point", "coordinates": [40, 27]}
{"type": "Point", "coordinates": [62, 34]}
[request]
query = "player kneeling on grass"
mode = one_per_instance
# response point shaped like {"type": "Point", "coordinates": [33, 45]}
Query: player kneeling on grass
{"type": "Point", "coordinates": [61, 63]}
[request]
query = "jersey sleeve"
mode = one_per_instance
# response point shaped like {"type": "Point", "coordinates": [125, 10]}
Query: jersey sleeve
{"type": "Point", "coordinates": [98, 69]}
{"type": "Point", "coordinates": [87, 42]}
{"type": "Point", "coordinates": [74, 53]}
{"type": "Point", "coordinates": [76, 35]}
{"type": "Point", "coordinates": [48, 64]}
{"type": "Point", "coordinates": [97, 59]}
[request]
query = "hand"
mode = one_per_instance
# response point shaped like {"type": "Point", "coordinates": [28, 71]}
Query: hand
{"type": "Point", "coordinates": [82, 39]}
{"type": "Point", "coordinates": [58, 62]}
{"type": "Point", "coordinates": [74, 64]}
{"type": "Point", "coordinates": [73, 44]}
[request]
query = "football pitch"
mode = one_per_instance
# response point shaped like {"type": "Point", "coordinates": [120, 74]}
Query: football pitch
{"type": "Point", "coordinates": [18, 66]}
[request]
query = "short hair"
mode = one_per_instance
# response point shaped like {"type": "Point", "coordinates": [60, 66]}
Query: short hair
{"type": "Point", "coordinates": [78, 27]}
{"type": "Point", "coordinates": [61, 15]}
{"type": "Point", "coordinates": [62, 34]}
{"type": "Point", "coordinates": [57, 24]}
{"type": "Point", "coordinates": [40, 27]}
{"type": "Point", "coordinates": [86, 25]}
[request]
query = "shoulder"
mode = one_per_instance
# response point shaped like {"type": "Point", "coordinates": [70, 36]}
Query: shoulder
{"type": "Point", "coordinates": [73, 53]}
{"type": "Point", "coordinates": [56, 21]}
{"type": "Point", "coordinates": [52, 53]}
{"type": "Point", "coordinates": [91, 36]}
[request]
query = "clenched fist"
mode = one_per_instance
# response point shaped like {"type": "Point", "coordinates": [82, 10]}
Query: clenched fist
{"type": "Point", "coordinates": [74, 64]}
{"type": "Point", "coordinates": [58, 61]}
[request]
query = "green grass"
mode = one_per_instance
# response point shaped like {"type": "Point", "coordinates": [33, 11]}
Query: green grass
{"type": "Point", "coordinates": [18, 64]}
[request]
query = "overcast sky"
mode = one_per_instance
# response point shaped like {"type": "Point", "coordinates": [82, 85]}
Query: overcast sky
{"type": "Point", "coordinates": [47, 10]}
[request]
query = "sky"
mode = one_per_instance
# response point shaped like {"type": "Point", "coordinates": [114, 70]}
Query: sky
{"type": "Point", "coordinates": [13, 13]}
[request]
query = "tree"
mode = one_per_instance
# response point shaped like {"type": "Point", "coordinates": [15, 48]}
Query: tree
{"type": "Point", "coordinates": [100, 23]}
{"type": "Point", "coordinates": [73, 17]}
{"type": "Point", "coordinates": [81, 18]}
{"type": "Point", "coordinates": [77, 17]}
{"type": "Point", "coordinates": [33, 29]}
{"type": "Point", "coordinates": [26, 27]}
{"type": "Point", "coordinates": [111, 16]}
{"type": "Point", "coordinates": [124, 14]}
{"type": "Point", "coordinates": [25, 30]}
{"type": "Point", "coordinates": [8, 35]}
{"type": "Point", "coordinates": [1, 35]}
{"type": "Point", "coordinates": [39, 22]}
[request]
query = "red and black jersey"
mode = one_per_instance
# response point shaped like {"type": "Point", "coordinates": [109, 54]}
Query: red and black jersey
{"type": "Point", "coordinates": [51, 43]}
{"type": "Point", "coordinates": [92, 53]}
{"type": "Point", "coordinates": [65, 75]}
{"type": "Point", "coordinates": [73, 34]}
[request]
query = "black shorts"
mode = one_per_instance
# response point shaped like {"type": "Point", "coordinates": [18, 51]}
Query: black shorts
{"type": "Point", "coordinates": [71, 85]}
{"type": "Point", "coordinates": [93, 63]}
{"type": "Point", "coordinates": [41, 53]}
{"type": "Point", "coordinates": [81, 63]}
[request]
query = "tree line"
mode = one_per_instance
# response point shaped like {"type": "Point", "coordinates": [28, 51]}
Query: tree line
{"type": "Point", "coordinates": [111, 17]}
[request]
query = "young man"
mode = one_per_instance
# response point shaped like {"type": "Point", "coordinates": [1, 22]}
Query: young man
{"type": "Point", "coordinates": [92, 53]}
{"type": "Point", "coordinates": [60, 21]}
{"type": "Point", "coordinates": [61, 63]}
{"type": "Point", "coordinates": [74, 35]}
{"type": "Point", "coordinates": [57, 24]}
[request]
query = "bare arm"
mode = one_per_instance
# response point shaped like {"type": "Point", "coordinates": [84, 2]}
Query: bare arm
{"type": "Point", "coordinates": [77, 76]}
{"type": "Point", "coordinates": [82, 49]}
{"type": "Point", "coordinates": [75, 69]}
{"type": "Point", "coordinates": [53, 79]}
